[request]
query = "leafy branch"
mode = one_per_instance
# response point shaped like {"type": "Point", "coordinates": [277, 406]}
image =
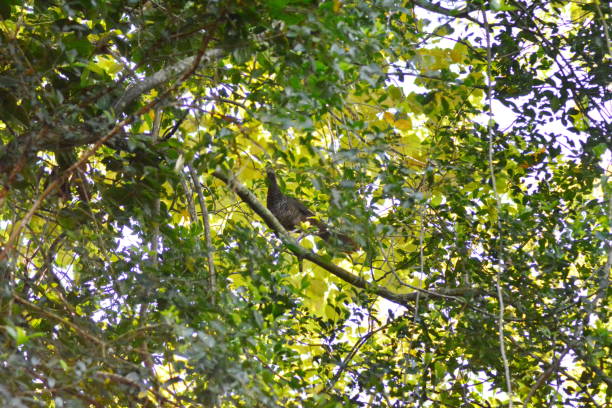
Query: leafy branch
{"type": "Point", "coordinates": [402, 299]}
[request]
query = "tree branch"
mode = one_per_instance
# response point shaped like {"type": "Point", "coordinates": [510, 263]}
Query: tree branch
{"type": "Point", "coordinates": [162, 76]}
{"type": "Point", "coordinates": [402, 299]}
{"type": "Point", "coordinates": [18, 151]}
{"type": "Point", "coordinates": [44, 312]}
{"type": "Point", "coordinates": [434, 8]}
{"type": "Point", "coordinates": [207, 235]}
{"type": "Point", "coordinates": [55, 184]}
{"type": "Point", "coordinates": [543, 378]}
{"type": "Point", "coordinates": [441, 10]}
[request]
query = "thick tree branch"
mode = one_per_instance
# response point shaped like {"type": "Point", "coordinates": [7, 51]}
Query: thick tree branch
{"type": "Point", "coordinates": [402, 299]}
{"type": "Point", "coordinates": [55, 184]}
{"type": "Point", "coordinates": [162, 76]}
{"type": "Point", "coordinates": [441, 10]}
{"type": "Point", "coordinates": [55, 138]}
{"type": "Point", "coordinates": [434, 8]}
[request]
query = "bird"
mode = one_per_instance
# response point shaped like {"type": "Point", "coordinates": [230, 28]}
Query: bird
{"type": "Point", "coordinates": [291, 212]}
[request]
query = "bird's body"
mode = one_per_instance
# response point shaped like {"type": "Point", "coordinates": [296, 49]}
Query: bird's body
{"type": "Point", "coordinates": [291, 212]}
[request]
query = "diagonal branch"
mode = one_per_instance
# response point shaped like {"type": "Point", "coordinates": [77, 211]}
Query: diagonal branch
{"type": "Point", "coordinates": [14, 156]}
{"type": "Point", "coordinates": [401, 299]}
{"type": "Point", "coordinates": [435, 8]}
{"type": "Point", "coordinates": [161, 76]}
{"type": "Point", "coordinates": [50, 315]}
{"type": "Point", "coordinates": [8, 247]}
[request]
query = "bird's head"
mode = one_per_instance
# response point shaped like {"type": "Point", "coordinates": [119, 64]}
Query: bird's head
{"type": "Point", "coordinates": [270, 172]}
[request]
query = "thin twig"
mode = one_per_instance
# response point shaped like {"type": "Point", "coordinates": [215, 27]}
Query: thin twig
{"type": "Point", "coordinates": [501, 266]}
{"type": "Point", "coordinates": [60, 319]}
{"type": "Point", "coordinates": [193, 216]}
{"type": "Point", "coordinates": [206, 222]}
{"type": "Point", "coordinates": [604, 25]}
{"type": "Point", "coordinates": [144, 307]}
{"type": "Point", "coordinates": [554, 366]}
{"type": "Point", "coordinates": [421, 259]}
{"type": "Point", "coordinates": [344, 364]}
{"type": "Point", "coordinates": [156, 204]}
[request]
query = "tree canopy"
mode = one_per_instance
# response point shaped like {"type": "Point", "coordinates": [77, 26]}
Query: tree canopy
{"type": "Point", "coordinates": [464, 146]}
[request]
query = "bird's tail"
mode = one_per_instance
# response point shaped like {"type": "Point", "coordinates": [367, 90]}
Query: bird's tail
{"type": "Point", "coordinates": [343, 241]}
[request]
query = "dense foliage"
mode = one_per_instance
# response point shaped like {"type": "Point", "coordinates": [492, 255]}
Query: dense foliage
{"type": "Point", "coordinates": [464, 146]}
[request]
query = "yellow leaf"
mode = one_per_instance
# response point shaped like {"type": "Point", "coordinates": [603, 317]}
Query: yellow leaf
{"type": "Point", "coordinates": [403, 124]}
{"type": "Point", "coordinates": [380, 124]}
{"type": "Point", "coordinates": [108, 64]}
{"type": "Point", "coordinates": [330, 312]}
{"type": "Point", "coordinates": [409, 246]}
{"type": "Point", "coordinates": [388, 117]}
{"type": "Point", "coordinates": [337, 5]}
{"type": "Point", "coordinates": [458, 53]}
{"type": "Point", "coordinates": [189, 125]}
{"type": "Point", "coordinates": [501, 184]}
{"type": "Point", "coordinates": [52, 295]}
{"type": "Point", "coordinates": [317, 287]}
{"type": "Point", "coordinates": [185, 213]}
{"type": "Point", "coordinates": [168, 187]}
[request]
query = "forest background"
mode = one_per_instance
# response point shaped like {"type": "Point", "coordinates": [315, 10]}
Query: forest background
{"type": "Point", "coordinates": [464, 146]}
